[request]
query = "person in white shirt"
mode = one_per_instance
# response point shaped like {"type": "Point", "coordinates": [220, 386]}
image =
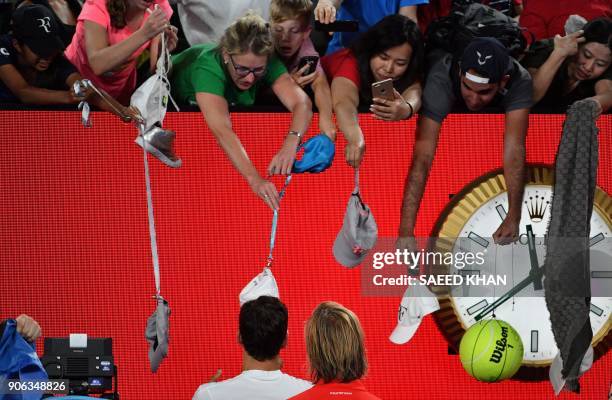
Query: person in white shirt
{"type": "Point", "coordinates": [263, 332]}
{"type": "Point", "coordinates": [204, 21]}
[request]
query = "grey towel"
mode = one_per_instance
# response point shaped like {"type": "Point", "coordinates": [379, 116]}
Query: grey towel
{"type": "Point", "coordinates": [567, 283]}
{"type": "Point", "coordinates": [157, 334]}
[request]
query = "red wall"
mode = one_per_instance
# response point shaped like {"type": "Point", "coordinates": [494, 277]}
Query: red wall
{"type": "Point", "coordinates": [74, 247]}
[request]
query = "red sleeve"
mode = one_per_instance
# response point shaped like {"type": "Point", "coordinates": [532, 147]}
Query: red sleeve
{"type": "Point", "coordinates": [95, 11]}
{"type": "Point", "coordinates": [165, 6]}
{"type": "Point", "coordinates": [342, 63]}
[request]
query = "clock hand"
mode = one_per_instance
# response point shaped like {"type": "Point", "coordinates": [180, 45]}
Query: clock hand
{"type": "Point", "coordinates": [535, 274]}
{"type": "Point", "coordinates": [533, 256]}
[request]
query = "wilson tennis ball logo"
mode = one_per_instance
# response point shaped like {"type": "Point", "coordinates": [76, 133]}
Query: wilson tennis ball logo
{"type": "Point", "coordinates": [491, 351]}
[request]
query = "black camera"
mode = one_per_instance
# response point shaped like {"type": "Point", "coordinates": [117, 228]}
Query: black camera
{"type": "Point", "coordinates": [87, 363]}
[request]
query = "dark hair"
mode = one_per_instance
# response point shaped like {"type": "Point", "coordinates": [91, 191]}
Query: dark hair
{"type": "Point", "coordinates": [263, 327]}
{"type": "Point", "coordinates": [391, 31]}
{"type": "Point", "coordinates": [599, 30]}
{"type": "Point", "coordinates": [117, 10]}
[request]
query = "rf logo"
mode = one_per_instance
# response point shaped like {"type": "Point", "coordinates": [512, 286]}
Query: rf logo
{"type": "Point", "coordinates": [401, 312]}
{"type": "Point", "coordinates": [482, 61]}
{"type": "Point", "coordinates": [45, 23]}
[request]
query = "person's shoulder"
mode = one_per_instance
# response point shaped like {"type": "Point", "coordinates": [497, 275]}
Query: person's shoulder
{"type": "Point", "coordinates": [220, 390]}
{"type": "Point", "coordinates": [298, 382]}
{"type": "Point", "coordinates": [7, 51]}
{"type": "Point", "coordinates": [342, 58]}
{"type": "Point", "coordinates": [210, 49]}
{"type": "Point", "coordinates": [95, 3]}
{"type": "Point", "coordinates": [313, 392]}
{"type": "Point", "coordinates": [441, 68]}
{"type": "Point", "coordinates": [96, 11]}
{"type": "Point", "coordinates": [519, 72]}
{"type": "Point", "coordinates": [203, 392]}
{"type": "Point", "coordinates": [340, 55]}
{"type": "Point", "coordinates": [6, 41]}
{"type": "Point", "coordinates": [538, 53]}
{"type": "Point", "coordinates": [206, 54]}
{"type": "Point", "coordinates": [207, 391]}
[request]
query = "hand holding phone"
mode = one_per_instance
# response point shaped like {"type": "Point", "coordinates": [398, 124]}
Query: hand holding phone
{"type": "Point", "coordinates": [311, 61]}
{"type": "Point", "coordinates": [383, 89]}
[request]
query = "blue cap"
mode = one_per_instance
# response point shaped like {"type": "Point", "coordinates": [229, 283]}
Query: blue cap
{"type": "Point", "coordinates": [318, 155]}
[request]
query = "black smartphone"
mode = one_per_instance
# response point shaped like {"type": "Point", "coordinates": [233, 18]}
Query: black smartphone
{"type": "Point", "coordinates": [348, 25]}
{"type": "Point", "coordinates": [312, 64]}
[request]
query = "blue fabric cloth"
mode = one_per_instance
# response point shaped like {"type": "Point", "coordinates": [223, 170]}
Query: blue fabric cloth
{"type": "Point", "coordinates": [18, 360]}
{"type": "Point", "coordinates": [318, 155]}
{"type": "Point", "coordinates": [367, 14]}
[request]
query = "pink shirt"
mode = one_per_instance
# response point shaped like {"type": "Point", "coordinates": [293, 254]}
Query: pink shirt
{"type": "Point", "coordinates": [120, 84]}
{"type": "Point", "coordinates": [307, 49]}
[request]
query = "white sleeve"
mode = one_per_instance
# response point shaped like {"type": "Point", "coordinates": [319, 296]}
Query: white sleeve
{"type": "Point", "coordinates": [202, 393]}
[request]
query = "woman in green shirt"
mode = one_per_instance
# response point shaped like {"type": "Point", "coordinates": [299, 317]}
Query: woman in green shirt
{"type": "Point", "coordinates": [215, 77]}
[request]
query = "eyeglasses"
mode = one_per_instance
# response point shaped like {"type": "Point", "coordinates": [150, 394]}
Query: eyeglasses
{"type": "Point", "coordinates": [243, 71]}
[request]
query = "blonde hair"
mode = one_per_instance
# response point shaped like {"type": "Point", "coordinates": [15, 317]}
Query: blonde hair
{"type": "Point", "coordinates": [250, 33]}
{"type": "Point", "coordinates": [335, 344]}
{"type": "Point", "coordinates": [283, 10]}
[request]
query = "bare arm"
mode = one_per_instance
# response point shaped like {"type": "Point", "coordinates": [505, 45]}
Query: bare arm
{"type": "Point", "coordinates": [412, 95]}
{"type": "Point", "coordinates": [216, 114]}
{"type": "Point", "coordinates": [345, 99]}
{"type": "Point", "coordinates": [323, 100]}
{"type": "Point", "coordinates": [410, 12]}
{"type": "Point", "coordinates": [516, 125]}
{"type": "Point", "coordinates": [29, 94]}
{"type": "Point", "coordinates": [603, 94]}
{"type": "Point", "coordinates": [104, 58]}
{"type": "Point", "coordinates": [154, 51]}
{"type": "Point", "coordinates": [127, 114]}
{"type": "Point", "coordinates": [155, 46]}
{"type": "Point", "coordinates": [295, 100]}
{"type": "Point", "coordinates": [423, 154]}
{"type": "Point", "coordinates": [543, 76]}
{"type": "Point", "coordinates": [403, 106]}
{"type": "Point", "coordinates": [298, 103]}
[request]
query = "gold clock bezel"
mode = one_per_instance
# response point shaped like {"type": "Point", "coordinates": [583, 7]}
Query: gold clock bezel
{"type": "Point", "coordinates": [454, 217]}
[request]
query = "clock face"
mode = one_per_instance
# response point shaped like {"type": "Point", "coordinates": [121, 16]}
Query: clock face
{"type": "Point", "coordinates": [482, 209]}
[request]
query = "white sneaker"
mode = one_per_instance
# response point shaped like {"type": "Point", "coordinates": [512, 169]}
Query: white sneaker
{"type": "Point", "coordinates": [159, 142]}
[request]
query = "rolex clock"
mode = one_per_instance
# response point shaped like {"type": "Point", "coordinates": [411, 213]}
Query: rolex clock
{"type": "Point", "coordinates": [508, 290]}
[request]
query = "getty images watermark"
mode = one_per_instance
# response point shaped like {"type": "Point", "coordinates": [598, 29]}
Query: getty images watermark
{"type": "Point", "coordinates": [470, 266]}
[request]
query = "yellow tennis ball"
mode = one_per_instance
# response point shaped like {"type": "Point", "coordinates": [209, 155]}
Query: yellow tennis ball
{"type": "Point", "coordinates": [491, 350]}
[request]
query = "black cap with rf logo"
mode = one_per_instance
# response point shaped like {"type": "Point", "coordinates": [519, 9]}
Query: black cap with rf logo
{"type": "Point", "coordinates": [36, 27]}
{"type": "Point", "coordinates": [488, 58]}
